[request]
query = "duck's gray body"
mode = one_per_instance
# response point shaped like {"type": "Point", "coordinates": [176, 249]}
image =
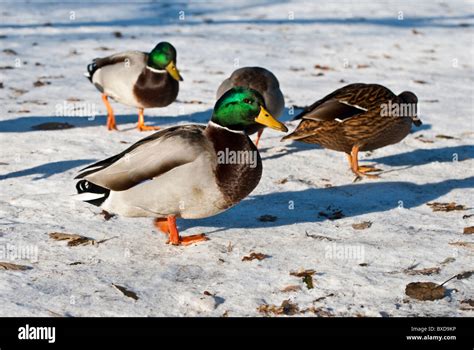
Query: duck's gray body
{"type": "Point", "coordinates": [173, 172]}
{"type": "Point", "coordinates": [126, 78]}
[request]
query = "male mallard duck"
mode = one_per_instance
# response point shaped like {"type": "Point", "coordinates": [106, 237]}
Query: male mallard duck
{"type": "Point", "coordinates": [261, 80]}
{"type": "Point", "coordinates": [137, 79]}
{"type": "Point", "coordinates": [357, 117]}
{"type": "Point", "coordinates": [189, 171]}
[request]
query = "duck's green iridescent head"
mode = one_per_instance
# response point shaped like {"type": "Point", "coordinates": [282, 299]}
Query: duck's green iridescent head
{"type": "Point", "coordinates": [163, 57]}
{"type": "Point", "coordinates": [241, 108]}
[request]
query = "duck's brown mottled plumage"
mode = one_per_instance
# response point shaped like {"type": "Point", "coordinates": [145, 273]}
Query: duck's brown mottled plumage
{"type": "Point", "coordinates": [353, 116]}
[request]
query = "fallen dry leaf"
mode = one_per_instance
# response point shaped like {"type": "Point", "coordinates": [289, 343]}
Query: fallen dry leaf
{"type": "Point", "coordinates": [467, 216]}
{"type": "Point", "coordinates": [426, 272]}
{"type": "Point", "coordinates": [107, 216]}
{"type": "Point", "coordinates": [422, 139]}
{"type": "Point", "coordinates": [319, 237]}
{"type": "Point", "coordinates": [437, 206]}
{"type": "Point", "coordinates": [253, 256]}
{"type": "Point", "coordinates": [446, 137]}
{"type": "Point", "coordinates": [468, 230]}
{"type": "Point", "coordinates": [362, 225]}
{"type": "Point", "coordinates": [425, 291]}
{"type": "Point", "coordinates": [13, 267]}
{"type": "Point", "coordinates": [420, 81]}
{"type": "Point", "coordinates": [468, 245]}
{"type": "Point", "coordinates": [468, 302]}
{"type": "Point", "coordinates": [361, 66]}
{"type": "Point", "coordinates": [307, 276]}
{"type": "Point", "coordinates": [318, 66]}
{"type": "Point", "coordinates": [73, 239]}
{"type": "Point", "coordinates": [286, 308]}
{"type": "Point", "coordinates": [52, 126]}
{"type": "Point", "coordinates": [125, 291]}
{"type": "Point", "coordinates": [291, 288]}
{"type": "Point", "coordinates": [416, 32]}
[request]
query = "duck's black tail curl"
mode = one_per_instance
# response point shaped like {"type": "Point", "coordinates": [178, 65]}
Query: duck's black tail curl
{"type": "Point", "coordinates": [97, 194]}
{"type": "Point", "coordinates": [91, 68]}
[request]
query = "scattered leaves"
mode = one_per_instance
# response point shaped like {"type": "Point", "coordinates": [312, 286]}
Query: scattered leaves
{"type": "Point", "coordinates": [286, 308]}
{"type": "Point", "coordinates": [437, 206]}
{"type": "Point", "coordinates": [420, 81]}
{"type": "Point", "coordinates": [362, 225]}
{"type": "Point", "coordinates": [426, 272]}
{"type": "Point", "coordinates": [267, 218]}
{"type": "Point", "coordinates": [73, 239]}
{"type": "Point", "coordinates": [468, 230]}
{"type": "Point", "coordinates": [52, 126]}
{"type": "Point", "coordinates": [253, 256]}
{"type": "Point", "coordinates": [13, 267]}
{"type": "Point", "coordinates": [125, 291]}
{"type": "Point", "coordinates": [425, 291]}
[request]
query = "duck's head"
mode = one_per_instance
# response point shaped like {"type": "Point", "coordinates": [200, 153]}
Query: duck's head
{"type": "Point", "coordinates": [163, 57]}
{"type": "Point", "coordinates": [242, 109]}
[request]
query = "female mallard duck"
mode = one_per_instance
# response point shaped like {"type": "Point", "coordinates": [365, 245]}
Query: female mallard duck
{"type": "Point", "coordinates": [357, 117]}
{"type": "Point", "coordinates": [261, 80]}
{"type": "Point", "coordinates": [189, 171]}
{"type": "Point", "coordinates": [137, 79]}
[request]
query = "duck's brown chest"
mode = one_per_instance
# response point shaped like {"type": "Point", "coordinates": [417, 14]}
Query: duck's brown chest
{"type": "Point", "coordinates": [155, 89]}
{"type": "Point", "coordinates": [239, 166]}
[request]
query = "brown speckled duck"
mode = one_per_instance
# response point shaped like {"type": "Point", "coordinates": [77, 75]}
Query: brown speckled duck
{"type": "Point", "coordinates": [137, 79]}
{"type": "Point", "coordinates": [357, 117]}
{"type": "Point", "coordinates": [261, 80]}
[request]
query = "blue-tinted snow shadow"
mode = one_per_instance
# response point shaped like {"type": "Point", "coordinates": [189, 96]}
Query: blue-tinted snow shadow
{"type": "Point", "coordinates": [44, 171]}
{"type": "Point", "coordinates": [25, 124]}
{"type": "Point", "coordinates": [353, 199]}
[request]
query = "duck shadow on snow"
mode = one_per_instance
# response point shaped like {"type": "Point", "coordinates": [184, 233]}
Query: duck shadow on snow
{"type": "Point", "coordinates": [47, 170]}
{"type": "Point", "coordinates": [353, 199]}
{"type": "Point", "coordinates": [25, 124]}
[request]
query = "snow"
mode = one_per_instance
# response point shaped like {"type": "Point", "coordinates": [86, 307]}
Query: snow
{"type": "Point", "coordinates": [433, 43]}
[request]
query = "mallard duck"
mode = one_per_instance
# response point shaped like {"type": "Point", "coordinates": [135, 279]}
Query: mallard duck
{"type": "Point", "coordinates": [137, 79]}
{"type": "Point", "coordinates": [189, 171]}
{"type": "Point", "coordinates": [357, 117]}
{"type": "Point", "coordinates": [261, 80]}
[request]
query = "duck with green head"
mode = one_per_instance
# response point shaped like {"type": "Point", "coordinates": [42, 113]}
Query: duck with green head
{"type": "Point", "coordinates": [188, 171]}
{"type": "Point", "coordinates": [137, 79]}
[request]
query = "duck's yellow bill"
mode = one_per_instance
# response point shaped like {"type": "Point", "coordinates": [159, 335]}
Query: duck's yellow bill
{"type": "Point", "coordinates": [174, 72]}
{"type": "Point", "coordinates": [265, 118]}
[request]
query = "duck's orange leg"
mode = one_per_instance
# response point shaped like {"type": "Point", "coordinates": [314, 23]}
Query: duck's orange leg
{"type": "Point", "coordinates": [360, 170]}
{"type": "Point", "coordinates": [110, 114]}
{"type": "Point", "coordinates": [174, 237]}
{"type": "Point", "coordinates": [162, 225]}
{"type": "Point", "coordinates": [141, 122]}
{"type": "Point", "coordinates": [259, 134]}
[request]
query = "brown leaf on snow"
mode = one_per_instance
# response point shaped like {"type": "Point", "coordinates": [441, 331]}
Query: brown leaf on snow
{"type": "Point", "coordinates": [286, 308]}
{"type": "Point", "coordinates": [13, 267]}
{"type": "Point", "coordinates": [125, 291]}
{"type": "Point", "coordinates": [426, 272]}
{"type": "Point", "coordinates": [318, 66]}
{"type": "Point", "coordinates": [446, 137]}
{"type": "Point", "coordinates": [253, 256]}
{"type": "Point", "coordinates": [107, 216]}
{"type": "Point", "coordinates": [291, 288]}
{"type": "Point", "coordinates": [307, 276]}
{"type": "Point", "coordinates": [422, 139]}
{"type": "Point", "coordinates": [425, 291]}
{"type": "Point", "coordinates": [468, 230]}
{"type": "Point", "coordinates": [420, 81]}
{"type": "Point", "coordinates": [468, 245]}
{"type": "Point", "coordinates": [73, 239]}
{"type": "Point", "coordinates": [467, 304]}
{"type": "Point", "coordinates": [362, 66]}
{"type": "Point", "coordinates": [362, 225]}
{"type": "Point", "coordinates": [437, 206]}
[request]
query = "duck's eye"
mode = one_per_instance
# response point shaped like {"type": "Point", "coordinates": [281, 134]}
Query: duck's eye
{"type": "Point", "coordinates": [248, 101]}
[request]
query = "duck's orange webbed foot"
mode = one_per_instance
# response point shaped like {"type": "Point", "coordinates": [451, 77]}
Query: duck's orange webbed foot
{"type": "Point", "coordinates": [168, 226]}
{"type": "Point", "coordinates": [141, 123]}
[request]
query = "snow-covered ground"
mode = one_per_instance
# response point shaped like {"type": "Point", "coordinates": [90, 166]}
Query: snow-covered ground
{"type": "Point", "coordinates": [423, 46]}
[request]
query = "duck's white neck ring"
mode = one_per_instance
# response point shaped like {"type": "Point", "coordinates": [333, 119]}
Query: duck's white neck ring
{"type": "Point", "coordinates": [215, 125]}
{"type": "Point", "coordinates": [154, 70]}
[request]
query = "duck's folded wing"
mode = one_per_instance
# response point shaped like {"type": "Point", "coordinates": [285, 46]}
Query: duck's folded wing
{"type": "Point", "coordinates": [334, 110]}
{"type": "Point", "coordinates": [148, 158]}
{"type": "Point", "coordinates": [128, 57]}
